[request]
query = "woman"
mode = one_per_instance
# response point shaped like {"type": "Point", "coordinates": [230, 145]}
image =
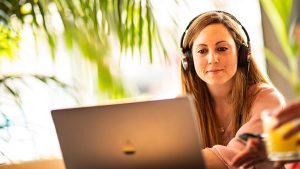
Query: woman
{"type": "Point", "coordinates": [230, 91]}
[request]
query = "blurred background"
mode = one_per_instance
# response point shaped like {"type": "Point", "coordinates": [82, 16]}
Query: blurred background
{"type": "Point", "coordinates": [67, 53]}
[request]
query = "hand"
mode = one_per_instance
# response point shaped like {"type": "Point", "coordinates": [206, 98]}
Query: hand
{"type": "Point", "coordinates": [254, 153]}
{"type": "Point", "coordinates": [290, 112]}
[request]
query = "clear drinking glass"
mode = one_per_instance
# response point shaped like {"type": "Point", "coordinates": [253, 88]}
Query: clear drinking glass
{"type": "Point", "coordinates": [278, 148]}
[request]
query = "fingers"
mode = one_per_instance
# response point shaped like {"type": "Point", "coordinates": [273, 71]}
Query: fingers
{"type": "Point", "coordinates": [292, 132]}
{"type": "Point", "coordinates": [283, 119]}
{"type": "Point", "coordinates": [250, 155]}
{"type": "Point", "coordinates": [278, 165]}
{"type": "Point", "coordinates": [242, 158]}
{"type": "Point", "coordinates": [292, 108]}
{"type": "Point", "coordinates": [288, 113]}
{"type": "Point", "coordinates": [247, 161]}
{"type": "Point", "coordinates": [251, 163]}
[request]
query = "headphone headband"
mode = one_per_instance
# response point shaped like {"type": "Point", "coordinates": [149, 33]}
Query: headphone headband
{"type": "Point", "coordinates": [223, 12]}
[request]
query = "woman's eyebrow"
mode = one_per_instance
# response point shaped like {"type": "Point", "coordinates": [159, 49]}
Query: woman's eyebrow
{"type": "Point", "coordinates": [205, 45]}
{"type": "Point", "coordinates": [200, 44]}
{"type": "Point", "coordinates": [221, 42]}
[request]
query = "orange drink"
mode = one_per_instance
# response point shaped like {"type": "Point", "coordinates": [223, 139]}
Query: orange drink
{"type": "Point", "coordinates": [279, 148]}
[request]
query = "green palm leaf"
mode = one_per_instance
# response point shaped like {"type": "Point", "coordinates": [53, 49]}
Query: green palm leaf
{"type": "Point", "coordinates": [92, 25]}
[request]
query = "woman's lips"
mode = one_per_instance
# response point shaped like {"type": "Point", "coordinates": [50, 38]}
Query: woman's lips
{"type": "Point", "coordinates": [214, 70]}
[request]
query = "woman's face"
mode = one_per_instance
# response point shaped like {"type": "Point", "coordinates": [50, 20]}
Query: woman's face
{"type": "Point", "coordinates": [215, 55]}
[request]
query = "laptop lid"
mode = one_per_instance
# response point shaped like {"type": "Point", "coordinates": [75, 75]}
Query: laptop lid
{"type": "Point", "coordinates": [139, 135]}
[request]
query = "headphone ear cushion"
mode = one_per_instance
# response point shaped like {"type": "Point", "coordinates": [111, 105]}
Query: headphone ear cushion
{"type": "Point", "coordinates": [187, 62]}
{"type": "Point", "coordinates": [243, 57]}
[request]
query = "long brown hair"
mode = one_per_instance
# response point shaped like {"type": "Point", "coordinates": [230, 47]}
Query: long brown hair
{"type": "Point", "coordinates": [240, 98]}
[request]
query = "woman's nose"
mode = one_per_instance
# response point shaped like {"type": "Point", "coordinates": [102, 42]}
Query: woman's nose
{"type": "Point", "coordinates": [213, 58]}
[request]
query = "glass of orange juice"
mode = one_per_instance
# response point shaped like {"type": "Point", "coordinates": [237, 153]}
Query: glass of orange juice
{"type": "Point", "coordinates": [278, 148]}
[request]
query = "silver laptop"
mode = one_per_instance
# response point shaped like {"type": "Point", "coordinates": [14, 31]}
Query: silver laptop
{"type": "Point", "coordinates": [157, 134]}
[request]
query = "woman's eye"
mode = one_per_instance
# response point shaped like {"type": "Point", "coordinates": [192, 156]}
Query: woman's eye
{"type": "Point", "coordinates": [222, 49]}
{"type": "Point", "coordinates": [201, 51]}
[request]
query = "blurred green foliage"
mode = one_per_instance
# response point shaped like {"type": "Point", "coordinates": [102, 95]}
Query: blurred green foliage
{"type": "Point", "coordinates": [279, 14]}
{"type": "Point", "coordinates": [91, 25]}
{"type": "Point", "coordinates": [9, 41]}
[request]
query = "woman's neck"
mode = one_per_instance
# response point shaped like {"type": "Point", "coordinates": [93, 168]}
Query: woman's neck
{"type": "Point", "coordinates": [220, 92]}
{"type": "Point", "coordinates": [222, 104]}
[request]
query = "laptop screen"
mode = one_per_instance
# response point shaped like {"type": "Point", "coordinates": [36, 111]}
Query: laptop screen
{"type": "Point", "coordinates": [146, 134]}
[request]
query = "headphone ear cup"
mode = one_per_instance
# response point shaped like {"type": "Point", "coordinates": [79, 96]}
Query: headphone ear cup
{"type": "Point", "coordinates": [187, 62]}
{"type": "Point", "coordinates": [243, 57]}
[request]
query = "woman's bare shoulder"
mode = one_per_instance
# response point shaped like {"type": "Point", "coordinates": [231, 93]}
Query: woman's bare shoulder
{"type": "Point", "coordinates": [266, 95]}
{"type": "Point", "coordinates": [265, 89]}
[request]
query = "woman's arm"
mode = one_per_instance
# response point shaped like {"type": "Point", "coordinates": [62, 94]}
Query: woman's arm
{"type": "Point", "coordinates": [212, 161]}
{"type": "Point", "coordinates": [254, 152]}
{"type": "Point", "coordinates": [290, 112]}
{"type": "Point", "coordinates": [267, 98]}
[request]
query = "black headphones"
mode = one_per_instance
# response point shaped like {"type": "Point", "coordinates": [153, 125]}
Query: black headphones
{"type": "Point", "coordinates": [243, 53]}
